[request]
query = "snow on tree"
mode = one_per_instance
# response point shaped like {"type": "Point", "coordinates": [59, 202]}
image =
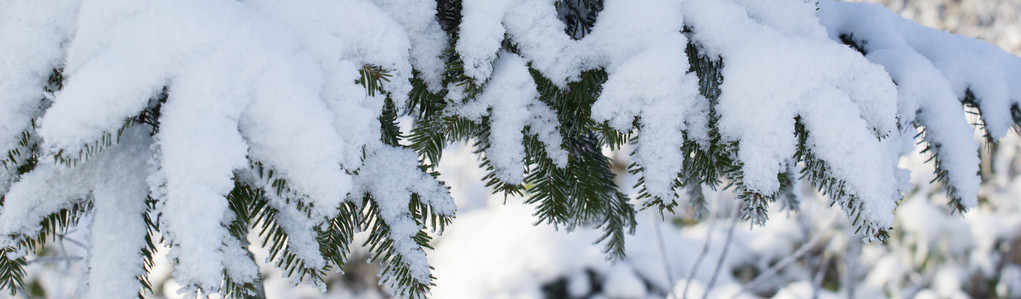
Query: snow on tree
{"type": "Point", "coordinates": [200, 122]}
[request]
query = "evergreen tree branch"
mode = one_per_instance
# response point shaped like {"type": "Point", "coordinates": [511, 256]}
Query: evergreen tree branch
{"type": "Point", "coordinates": [149, 251]}
{"type": "Point", "coordinates": [816, 171]}
{"type": "Point", "coordinates": [54, 226]}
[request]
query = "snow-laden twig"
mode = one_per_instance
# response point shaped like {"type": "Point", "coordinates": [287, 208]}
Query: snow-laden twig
{"type": "Point", "coordinates": [726, 247]}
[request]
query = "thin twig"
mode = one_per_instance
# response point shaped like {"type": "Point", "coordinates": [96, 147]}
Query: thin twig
{"type": "Point", "coordinates": [705, 249]}
{"type": "Point", "coordinates": [820, 274]}
{"type": "Point", "coordinates": [662, 254]}
{"type": "Point", "coordinates": [851, 259]}
{"type": "Point", "coordinates": [726, 247]}
{"type": "Point", "coordinates": [63, 254]}
{"type": "Point", "coordinates": [923, 281]}
{"type": "Point", "coordinates": [73, 241]}
{"type": "Point", "coordinates": [55, 259]}
{"type": "Point", "coordinates": [786, 261]}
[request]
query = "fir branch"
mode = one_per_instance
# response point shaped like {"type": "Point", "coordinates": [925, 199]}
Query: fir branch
{"type": "Point", "coordinates": [856, 44]}
{"type": "Point", "coordinates": [12, 271]}
{"type": "Point", "coordinates": [705, 164]}
{"type": "Point", "coordinates": [422, 103]}
{"type": "Point", "coordinates": [584, 192]}
{"type": "Point", "coordinates": [54, 227]}
{"type": "Point", "coordinates": [574, 104]}
{"type": "Point", "coordinates": [335, 240]}
{"type": "Point", "coordinates": [426, 216]}
{"type": "Point", "coordinates": [954, 200]}
{"type": "Point", "coordinates": [428, 139]}
{"type": "Point", "coordinates": [491, 178]}
{"type": "Point", "coordinates": [581, 193]}
{"type": "Point", "coordinates": [390, 131]}
{"type": "Point", "coordinates": [971, 105]}
{"type": "Point", "coordinates": [252, 209]}
{"type": "Point", "coordinates": [429, 144]}
{"type": "Point", "coordinates": [243, 202]}
{"type": "Point", "coordinates": [787, 194]}
{"type": "Point", "coordinates": [708, 69]}
{"type": "Point", "coordinates": [550, 187]}
{"type": "Point", "coordinates": [234, 289]}
{"type": "Point", "coordinates": [151, 115]}
{"type": "Point", "coordinates": [395, 272]}
{"type": "Point", "coordinates": [25, 155]}
{"type": "Point", "coordinates": [755, 207]}
{"type": "Point", "coordinates": [620, 217]}
{"type": "Point", "coordinates": [148, 116]}
{"type": "Point", "coordinates": [1015, 114]}
{"type": "Point", "coordinates": [149, 251]}
{"type": "Point", "coordinates": [90, 149]}
{"type": "Point", "coordinates": [372, 78]}
{"type": "Point", "coordinates": [817, 171]}
{"type": "Point", "coordinates": [648, 201]}
{"type": "Point", "coordinates": [448, 13]}
{"type": "Point", "coordinates": [578, 15]}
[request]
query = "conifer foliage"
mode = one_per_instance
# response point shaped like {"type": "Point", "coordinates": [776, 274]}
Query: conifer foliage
{"type": "Point", "coordinates": [197, 123]}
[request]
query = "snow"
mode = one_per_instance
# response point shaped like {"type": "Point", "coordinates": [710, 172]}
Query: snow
{"type": "Point", "coordinates": [647, 72]}
{"type": "Point", "coordinates": [925, 92]}
{"type": "Point", "coordinates": [299, 226]}
{"type": "Point", "coordinates": [647, 79]}
{"type": "Point", "coordinates": [966, 63]}
{"type": "Point", "coordinates": [772, 76]}
{"type": "Point", "coordinates": [517, 258]}
{"type": "Point", "coordinates": [118, 229]}
{"type": "Point", "coordinates": [621, 282]}
{"type": "Point", "coordinates": [200, 148]}
{"type": "Point", "coordinates": [357, 31]}
{"type": "Point", "coordinates": [390, 176]}
{"type": "Point", "coordinates": [534, 29]}
{"type": "Point", "coordinates": [419, 21]}
{"type": "Point", "coordinates": [480, 36]}
{"type": "Point", "coordinates": [330, 41]}
{"type": "Point", "coordinates": [510, 100]}
{"type": "Point", "coordinates": [933, 70]}
{"type": "Point", "coordinates": [44, 191]}
{"type": "Point", "coordinates": [32, 34]}
{"type": "Point", "coordinates": [270, 83]}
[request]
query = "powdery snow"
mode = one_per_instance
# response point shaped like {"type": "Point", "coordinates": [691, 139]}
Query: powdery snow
{"type": "Point", "coordinates": [390, 176]}
{"type": "Point", "coordinates": [271, 83]}
{"type": "Point", "coordinates": [33, 35]}
{"type": "Point", "coordinates": [510, 101]}
{"type": "Point", "coordinates": [118, 228]}
{"type": "Point", "coordinates": [771, 76]}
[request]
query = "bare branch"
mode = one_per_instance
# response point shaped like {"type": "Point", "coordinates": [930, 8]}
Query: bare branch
{"type": "Point", "coordinates": [726, 247]}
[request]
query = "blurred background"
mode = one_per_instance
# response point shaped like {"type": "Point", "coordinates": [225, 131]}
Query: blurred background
{"type": "Point", "coordinates": [493, 251]}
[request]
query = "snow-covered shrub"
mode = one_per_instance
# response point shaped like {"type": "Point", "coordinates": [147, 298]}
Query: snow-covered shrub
{"type": "Point", "coordinates": [196, 123]}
